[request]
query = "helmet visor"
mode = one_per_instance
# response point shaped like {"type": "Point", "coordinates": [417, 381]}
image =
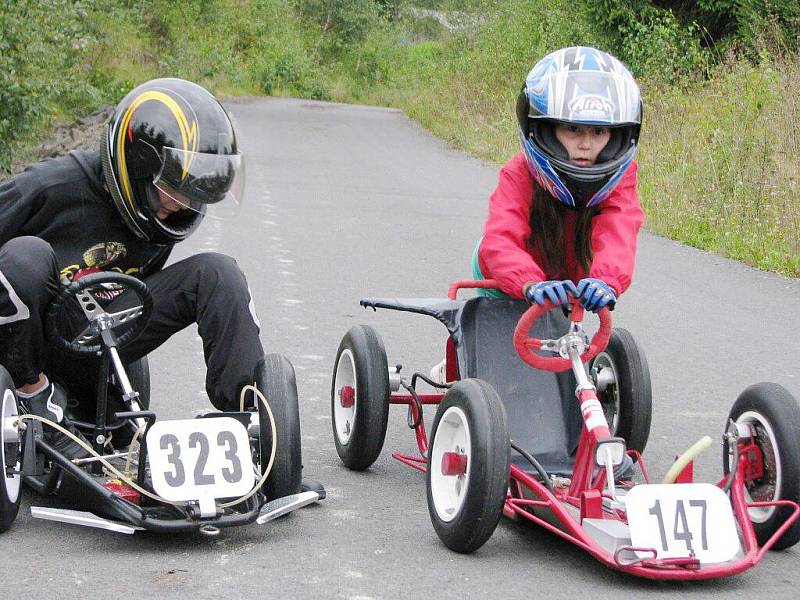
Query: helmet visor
{"type": "Point", "coordinates": [590, 97]}
{"type": "Point", "coordinates": [195, 179]}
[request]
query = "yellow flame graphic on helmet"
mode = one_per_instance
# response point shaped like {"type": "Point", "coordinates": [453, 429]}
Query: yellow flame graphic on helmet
{"type": "Point", "coordinates": [188, 131]}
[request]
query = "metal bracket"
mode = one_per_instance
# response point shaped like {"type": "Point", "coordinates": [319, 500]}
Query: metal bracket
{"type": "Point", "coordinates": [79, 517]}
{"type": "Point", "coordinates": [283, 506]}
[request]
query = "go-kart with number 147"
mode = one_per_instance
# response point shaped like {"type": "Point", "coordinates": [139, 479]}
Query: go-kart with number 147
{"type": "Point", "coordinates": [560, 444]}
{"type": "Point", "coordinates": [219, 470]}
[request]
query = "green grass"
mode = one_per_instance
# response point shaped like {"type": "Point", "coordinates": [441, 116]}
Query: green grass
{"type": "Point", "coordinates": [719, 156]}
{"type": "Point", "coordinates": [720, 165]}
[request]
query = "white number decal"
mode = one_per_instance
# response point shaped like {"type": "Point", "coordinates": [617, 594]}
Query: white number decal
{"type": "Point", "coordinates": [681, 530]}
{"type": "Point", "coordinates": [196, 458]}
{"type": "Point", "coordinates": [681, 520]}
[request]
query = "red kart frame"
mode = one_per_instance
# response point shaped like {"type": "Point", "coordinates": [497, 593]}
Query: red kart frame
{"type": "Point", "coordinates": [585, 492]}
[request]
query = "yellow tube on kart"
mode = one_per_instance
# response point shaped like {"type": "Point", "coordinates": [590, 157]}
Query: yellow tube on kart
{"type": "Point", "coordinates": [684, 459]}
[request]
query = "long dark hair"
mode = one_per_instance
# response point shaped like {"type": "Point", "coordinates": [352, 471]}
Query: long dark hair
{"type": "Point", "coordinates": [547, 220]}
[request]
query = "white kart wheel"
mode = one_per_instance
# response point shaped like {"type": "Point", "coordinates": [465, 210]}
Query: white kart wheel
{"type": "Point", "coordinates": [360, 398]}
{"type": "Point", "coordinates": [769, 418]}
{"type": "Point", "coordinates": [450, 463]}
{"type": "Point", "coordinates": [765, 491]}
{"type": "Point", "coordinates": [344, 410]}
{"type": "Point", "coordinates": [10, 453]}
{"type": "Point", "coordinates": [468, 467]}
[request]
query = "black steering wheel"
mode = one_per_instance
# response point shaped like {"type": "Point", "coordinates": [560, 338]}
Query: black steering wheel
{"type": "Point", "coordinates": [91, 293]}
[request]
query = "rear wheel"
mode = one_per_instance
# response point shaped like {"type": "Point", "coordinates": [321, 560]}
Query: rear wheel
{"type": "Point", "coordinates": [10, 453]}
{"type": "Point", "coordinates": [278, 383]}
{"type": "Point", "coordinates": [622, 378]}
{"type": "Point", "coordinates": [771, 417]}
{"type": "Point", "coordinates": [468, 466]}
{"type": "Point", "coordinates": [360, 398]}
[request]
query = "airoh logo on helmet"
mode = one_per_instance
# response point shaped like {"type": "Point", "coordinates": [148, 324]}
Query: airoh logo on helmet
{"type": "Point", "coordinates": [588, 107]}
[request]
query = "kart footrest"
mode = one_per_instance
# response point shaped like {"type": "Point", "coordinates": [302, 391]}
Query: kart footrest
{"type": "Point", "coordinates": [80, 517]}
{"type": "Point", "coordinates": [282, 506]}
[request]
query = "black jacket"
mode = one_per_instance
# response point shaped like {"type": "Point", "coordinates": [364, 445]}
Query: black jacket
{"type": "Point", "coordinates": [64, 202]}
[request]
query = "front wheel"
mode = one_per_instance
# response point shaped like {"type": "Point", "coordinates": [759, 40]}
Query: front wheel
{"type": "Point", "coordinates": [771, 415]}
{"type": "Point", "coordinates": [10, 453]}
{"type": "Point", "coordinates": [360, 397]}
{"type": "Point", "coordinates": [277, 381]}
{"type": "Point", "coordinates": [468, 465]}
{"type": "Point", "coordinates": [622, 378]}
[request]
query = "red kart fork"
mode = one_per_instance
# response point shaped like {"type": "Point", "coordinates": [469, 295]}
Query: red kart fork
{"type": "Point", "coordinates": [595, 429]}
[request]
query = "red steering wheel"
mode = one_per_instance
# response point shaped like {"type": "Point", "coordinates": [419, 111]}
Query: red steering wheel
{"type": "Point", "coordinates": [526, 346]}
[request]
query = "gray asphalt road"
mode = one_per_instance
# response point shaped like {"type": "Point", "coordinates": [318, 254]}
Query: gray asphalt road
{"type": "Point", "coordinates": [345, 202]}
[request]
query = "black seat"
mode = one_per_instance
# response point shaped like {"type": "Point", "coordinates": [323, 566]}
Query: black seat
{"type": "Point", "coordinates": [543, 415]}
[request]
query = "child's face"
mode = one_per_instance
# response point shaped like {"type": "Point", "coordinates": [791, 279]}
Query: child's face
{"type": "Point", "coordinates": [583, 142]}
{"type": "Point", "coordinates": [170, 203]}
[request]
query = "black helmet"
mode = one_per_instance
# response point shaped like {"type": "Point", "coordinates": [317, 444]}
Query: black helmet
{"type": "Point", "coordinates": [170, 136]}
{"type": "Point", "coordinates": [579, 86]}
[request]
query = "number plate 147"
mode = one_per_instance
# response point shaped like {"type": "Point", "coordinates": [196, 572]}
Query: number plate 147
{"type": "Point", "coordinates": [678, 520]}
{"type": "Point", "coordinates": [200, 458]}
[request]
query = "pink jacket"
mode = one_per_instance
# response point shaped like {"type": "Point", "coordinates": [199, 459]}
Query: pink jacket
{"type": "Point", "coordinates": [504, 254]}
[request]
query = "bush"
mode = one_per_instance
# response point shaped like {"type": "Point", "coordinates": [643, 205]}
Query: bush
{"type": "Point", "coordinates": [41, 73]}
{"type": "Point", "coordinates": [652, 41]}
{"type": "Point", "coordinates": [342, 23]}
{"type": "Point", "coordinates": [754, 25]}
{"type": "Point", "coordinates": [658, 48]}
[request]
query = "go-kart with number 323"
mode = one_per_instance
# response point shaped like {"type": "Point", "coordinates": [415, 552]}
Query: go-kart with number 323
{"type": "Point", "coordinates": [508, 439]}
{"type": "Point", "coordinates": [219, 470]}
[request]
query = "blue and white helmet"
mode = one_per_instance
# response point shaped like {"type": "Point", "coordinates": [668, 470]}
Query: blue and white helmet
{"type": "Point", "coordinates": [579, 86]}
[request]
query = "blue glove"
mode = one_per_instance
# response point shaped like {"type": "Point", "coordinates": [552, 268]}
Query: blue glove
{"type": "Point", "coordinates": [595, 294]}
{"type": "Point", "coordinates": [556, 291]}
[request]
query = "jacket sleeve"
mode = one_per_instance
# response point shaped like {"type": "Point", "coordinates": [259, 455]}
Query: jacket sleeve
{"type": "Point", "coordinates": [157, 262]}
{"type": "Point", "coordinates": [614, 231]}
{"type": "Point", "coordinates": [16, 207]}
{"type": "Point", "coordinates": [503, 254]}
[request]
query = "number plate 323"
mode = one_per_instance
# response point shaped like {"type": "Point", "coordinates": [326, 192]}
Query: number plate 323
{"type": "Point", "coordinates": [192, 459]}
{"type": "Point", "coordinates": [678, 520]}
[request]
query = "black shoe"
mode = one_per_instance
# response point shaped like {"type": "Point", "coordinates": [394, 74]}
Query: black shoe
{"type": "Point", "coordinates": [51, 403]}
{"type": "Point", "coordinates": [625, 470]}
{"type": "Point", "coordinates": [309, 485]}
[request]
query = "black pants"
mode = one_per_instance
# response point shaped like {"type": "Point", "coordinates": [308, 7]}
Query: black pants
{"type": "Point", "coordinates": [208, 289]}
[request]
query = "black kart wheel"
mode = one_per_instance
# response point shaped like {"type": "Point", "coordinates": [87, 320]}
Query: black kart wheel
{"type": "Point", "coordinates": [622, 377]}
{"type": "Point", "coordinates": [10, 453]}
{"type": "Point", "coordinates": [277, 382]}
{"type": "Point", "coordinates": [772, 417]}
{"type": "Point", "coordinates": [360, 398]}
{"type": "Point", "coordinates": [468, 466]}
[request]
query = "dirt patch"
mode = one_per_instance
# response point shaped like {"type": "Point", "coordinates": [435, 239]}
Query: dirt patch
{"type": "Point", "coordinates": [84, 133]}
